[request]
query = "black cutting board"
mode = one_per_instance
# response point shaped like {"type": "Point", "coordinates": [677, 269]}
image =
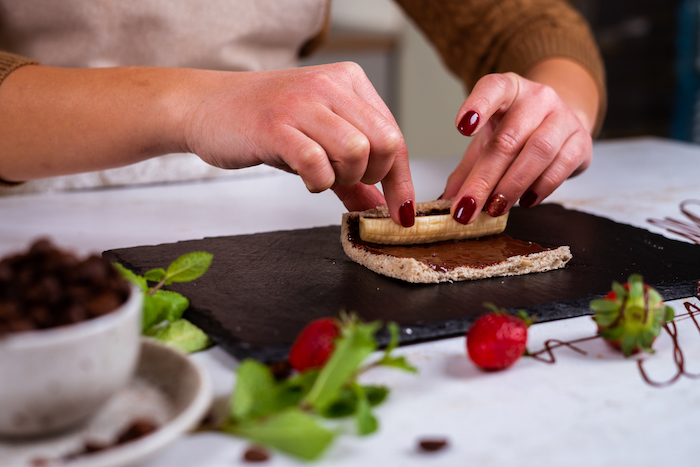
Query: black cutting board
{"type": "Point", "coordinates": [261, 289]}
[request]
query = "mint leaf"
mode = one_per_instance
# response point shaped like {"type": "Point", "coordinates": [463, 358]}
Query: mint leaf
{"type": "Point", "coordinates": [292, 431]}
{"type": "Point", "coordinates": [155, 275]}
{"type": "Point", "coordinates": [353, 347]}
{"type": "Point", "coordinates": [188, 267]}
{"type": "Point", "coordinates": [366, 421]}
{"type": "Point", "coordinates": [183, 336]}
{"type": "Point", "coordinates": [177, 303]}
{"type": "Point", "coordinates": [132, 277]}
{"type": "Point", "coordinates": [155, 310]}
{"type": "Point", "coordinates": [163, 305]}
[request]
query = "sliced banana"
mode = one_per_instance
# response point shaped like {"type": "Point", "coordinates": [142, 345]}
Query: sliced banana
{"type": "Point", "coordinates": [428, 229]}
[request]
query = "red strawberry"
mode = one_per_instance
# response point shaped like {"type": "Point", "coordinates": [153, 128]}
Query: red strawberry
{"type": "Point", "coordinates": [497, 340]}
{"type": "Point", "coordinates": [314, 344]}
{"type": "Point", "coordinates": [630, 317]}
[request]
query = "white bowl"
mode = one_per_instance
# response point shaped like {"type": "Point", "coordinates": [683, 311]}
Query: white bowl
{"type": "Point", "coordinates": [54, 379]}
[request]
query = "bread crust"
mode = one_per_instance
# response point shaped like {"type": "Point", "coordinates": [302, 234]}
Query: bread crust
{"type": "Point", "coordinates": [414, 271]}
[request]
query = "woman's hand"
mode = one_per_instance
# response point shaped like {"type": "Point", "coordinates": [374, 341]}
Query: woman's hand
{"type": "Point", "coordinates": [527, 138]}
{"type": "Point", "coordinates": [326, 123]}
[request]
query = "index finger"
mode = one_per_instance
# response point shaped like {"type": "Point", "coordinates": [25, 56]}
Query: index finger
{"type": "Point", "coordinates": [491, 96]}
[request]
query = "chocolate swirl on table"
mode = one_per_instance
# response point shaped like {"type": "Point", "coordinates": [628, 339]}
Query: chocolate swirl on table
{"type": "Point", "coordinates": [686, 229]}
{"type": "Point", "coordinates": [678, 357]}
{"type": "Point", "coordinates": [546, 354]}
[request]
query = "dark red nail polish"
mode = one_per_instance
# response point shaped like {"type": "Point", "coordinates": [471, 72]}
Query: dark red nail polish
{"type": "Point", "coordinates": [406, 214]}
{"type": "Point", "coordinates": [440, 197]}
{"type": "Point", "coordinates": [468, 123]}
{"type": "Point", "coordinates": [496, 205]}
{"type": "Point", "coordinates": [465, 210]}
{"type": "Point", "coordinates": [528, 199]}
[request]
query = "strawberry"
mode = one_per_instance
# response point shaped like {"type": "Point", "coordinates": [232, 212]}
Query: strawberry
{"type": "Point", "coordinates": [630, 317]}
{"type": "Point", "coordinates": [496, 340]}
{"type": "Point", "coordinates": [314, 344]}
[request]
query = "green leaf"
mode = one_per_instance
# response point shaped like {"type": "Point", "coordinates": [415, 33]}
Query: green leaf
{"type": "Point", "coordinates": [393, 337]}
{"type": "Point", "coordinates": [356, 344]}
{"type": "Point", "coordinates": [183, 336]}
{"type": "Point", "coordinates": [155, 275]}
{"type": "Point", "coordinates": [188, 267]}
{"type": "Point", "coordinates": [163, 305]}
{"type": "Point", "coordinates": [155, 310]}
{"type": "Point", "coordinates": [177, 303]}
{"type": "Point", "coordinates": [603, 305]}
{"type": "Point", "coordinates": [291, 431]}
{"type": "Point", "coordinates": [398, 362]}
{"type": "Point", "coordinates": [132, 277]}
{"type": "Point", "coordinates": [346, 403]}
{"type": "Point", "coordinates": [256, 393]}
{"type": "Point", "coordinates": [366, 421]}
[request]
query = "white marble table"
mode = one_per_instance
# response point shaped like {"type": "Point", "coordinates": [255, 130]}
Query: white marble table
{"type": "Point", "coordinates": [585, 410]}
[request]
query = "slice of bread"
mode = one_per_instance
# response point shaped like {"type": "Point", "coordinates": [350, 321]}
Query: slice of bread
{"type": "Point", "coordinates": [411, 270]}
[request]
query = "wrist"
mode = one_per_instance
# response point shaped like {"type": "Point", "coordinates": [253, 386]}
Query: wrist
{"type": "Point", "coordinates": [574, 85]}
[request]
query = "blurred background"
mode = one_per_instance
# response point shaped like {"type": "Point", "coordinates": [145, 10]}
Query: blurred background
{"type": "Point", "coordinates": [649, 46]}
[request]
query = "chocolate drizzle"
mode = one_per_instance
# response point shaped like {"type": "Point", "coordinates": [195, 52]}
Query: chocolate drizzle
{"type": "Point", "coordinates": [447, 255]}
{"type": "Point", "coordinates": [689, 230]}
{"type": "Point", "coordinates": [546, 354]}
{"type": "Point", "coordinates": [678, 357]}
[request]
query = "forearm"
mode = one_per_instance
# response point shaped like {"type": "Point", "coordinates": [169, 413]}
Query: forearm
{"type": "Point", "coordinates": [574, 85]}
{"type": "Point", "coordinates": [57, 121]}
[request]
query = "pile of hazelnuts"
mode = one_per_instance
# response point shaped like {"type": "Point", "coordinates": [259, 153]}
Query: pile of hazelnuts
{"type": "Point", "coordinates": [46, 287]}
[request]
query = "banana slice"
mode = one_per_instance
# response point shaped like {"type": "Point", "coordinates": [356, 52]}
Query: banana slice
{"type": "Point", "coordinates": [429, 229]}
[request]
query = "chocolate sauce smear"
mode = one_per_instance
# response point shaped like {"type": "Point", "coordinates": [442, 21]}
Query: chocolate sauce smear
{"type": "Point", "coordinates": [686, 229]}
{"type": "Point", "coordinates": [447, 255]}
{"type": "Point", "coordinates": [546, 354]}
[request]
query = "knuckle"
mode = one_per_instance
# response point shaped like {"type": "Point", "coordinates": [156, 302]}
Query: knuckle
{"type": "Point", "coordinates": [543, 145]}
{"type": "Point", "coordinates": [506, 142]}
{"type": "Point", "coordinates": [356, 147]}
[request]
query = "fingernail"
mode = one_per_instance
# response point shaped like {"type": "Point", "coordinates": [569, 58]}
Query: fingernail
{"type": "Point", "coordinates": [468, 123]}
{"type": "Point", "coordinates": [440, 197]}
{"type": "Point", "coordinates": [496, 205]}
{"type": "Point", "coordinates": [465, 210]}
{"type": "Point", "coordinates": [528, 199]}
{"type": "Point", "coordinates": [406, 214]}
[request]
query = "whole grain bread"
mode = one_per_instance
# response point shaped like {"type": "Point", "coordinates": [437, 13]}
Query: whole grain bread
{"type": "Point", "coordinates": [412, 270]}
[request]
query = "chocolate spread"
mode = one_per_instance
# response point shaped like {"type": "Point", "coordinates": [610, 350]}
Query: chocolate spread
{"type": "Point", "coordinates": [447, 255]}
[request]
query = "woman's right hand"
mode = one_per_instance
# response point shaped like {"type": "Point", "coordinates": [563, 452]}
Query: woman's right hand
{"type": "Point", "coordinates": [325, 123]}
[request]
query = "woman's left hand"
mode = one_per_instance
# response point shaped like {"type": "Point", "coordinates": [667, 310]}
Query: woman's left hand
{"type": "Point", "coordinates": [527, 141]}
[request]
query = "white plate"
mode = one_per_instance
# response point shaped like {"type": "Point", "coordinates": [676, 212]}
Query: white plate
{"type": "Point", "coordinates": [168, 388]}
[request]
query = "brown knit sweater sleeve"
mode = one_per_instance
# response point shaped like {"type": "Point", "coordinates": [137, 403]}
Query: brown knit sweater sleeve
{"type": "Point", "coordinates": [476, 37]}
{"type": "Point", "coordinates": [10, 62]}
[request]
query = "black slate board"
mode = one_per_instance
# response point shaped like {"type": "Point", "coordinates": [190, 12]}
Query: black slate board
{"type": "Point", "coordinates": [262, 289]}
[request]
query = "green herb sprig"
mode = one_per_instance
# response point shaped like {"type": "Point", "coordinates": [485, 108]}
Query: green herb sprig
{"type": "Point", "coordinates": [288, 415]}
{"type": "Point", "coordinates": [163, 309]}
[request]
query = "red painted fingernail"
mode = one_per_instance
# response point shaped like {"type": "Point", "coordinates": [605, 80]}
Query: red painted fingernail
{"type": "Point", "coordinates": [468, 123]}
{"type": "Point", "coordinates": [440, 197]}
{"type": "Point", "coordinates": [465, 210]}
{"type": "Point", "coordinates": [496, 205]}
{"type": "Point", "coordinates": [528, 199]}
{"type": "Point", "coordinates": [406, 214]}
